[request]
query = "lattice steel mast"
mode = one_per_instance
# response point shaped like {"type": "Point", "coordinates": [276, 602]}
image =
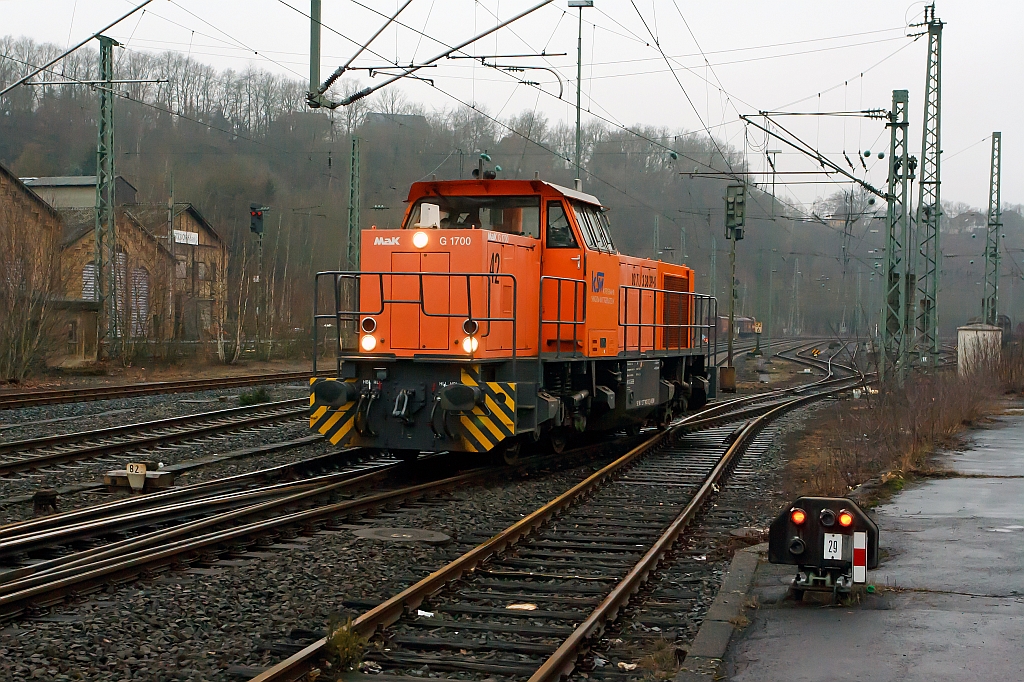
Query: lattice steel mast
{"type": "Point", "coordinates": [929, 207]}
{"type": "Point", "coordinates": [105, 229]}
{"type": "Point", "coordinates": [990, 304]}
{"type": "Point", "coordinates": [354, 235]}
{"type": "Point", "coordinates": [892, 360]}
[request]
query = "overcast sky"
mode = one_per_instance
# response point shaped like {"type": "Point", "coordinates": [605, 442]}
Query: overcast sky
{"type": "Point", "coordinates": [797, 55]}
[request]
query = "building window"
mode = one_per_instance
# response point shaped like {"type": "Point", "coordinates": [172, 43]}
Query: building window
{"type": "Point", "coordinates": [140, 302]}
{"type": "Point", "coordinates": [181, 268]}
{"type": "Point", "coordinates": [89, 282]}
{"type": "Point", "coordinates": [202, 271]}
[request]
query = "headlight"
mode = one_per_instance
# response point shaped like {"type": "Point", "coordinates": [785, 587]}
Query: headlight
{"type": "Point", "coordinates": [368, 343]}
{"type": "Point", "coordinates": [420, 239]}
{"type": "Point", "coordinates": [470, 344]}
{"type": "Point", "coordinates": [368, 325]}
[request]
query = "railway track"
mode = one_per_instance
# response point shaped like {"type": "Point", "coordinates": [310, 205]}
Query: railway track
{"type": "Point", "coordinates": [303, 508]}
{"type": "Point", "coordinates": [528, 600]}
{"type": "Point", "coordinates": [14, 400]}
{"type": "Point", "coordinates": [184, 527]}
{"type": "Point", "coordinates": [204, 522]}
{"type": "Point", "coordinates": [34, 453]}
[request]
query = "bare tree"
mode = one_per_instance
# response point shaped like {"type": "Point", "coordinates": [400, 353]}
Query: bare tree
{"type": "Point", "coordinates": [29, 286]}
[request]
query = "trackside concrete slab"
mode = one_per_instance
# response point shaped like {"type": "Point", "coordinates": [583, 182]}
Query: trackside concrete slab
{"type": "Point", "coordinates": [951, 605]}
{"type": "Point", "coordinates": [704, 657]}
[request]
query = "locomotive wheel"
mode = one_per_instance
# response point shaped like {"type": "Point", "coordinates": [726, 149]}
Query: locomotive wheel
{"type": "Point", "coordinates": [664, 418]}
{"type": "Point", "coordinates": [510, 453]}
{"type": "Point", "coordinates": [557, 440]}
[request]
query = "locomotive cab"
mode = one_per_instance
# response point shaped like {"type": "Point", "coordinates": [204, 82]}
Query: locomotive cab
{"type": "Point", "coordinates": [501, 312]}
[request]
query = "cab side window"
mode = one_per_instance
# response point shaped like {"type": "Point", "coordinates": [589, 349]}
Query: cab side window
{"type": "Point", "coordinates": [559, 232]}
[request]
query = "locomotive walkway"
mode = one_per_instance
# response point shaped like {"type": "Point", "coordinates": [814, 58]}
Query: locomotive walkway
{"type": "Point", "coordinates": [953, 548]}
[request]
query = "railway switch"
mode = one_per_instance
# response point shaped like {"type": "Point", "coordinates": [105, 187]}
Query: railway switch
{"type": "Point", "coordinates": [831, 541]}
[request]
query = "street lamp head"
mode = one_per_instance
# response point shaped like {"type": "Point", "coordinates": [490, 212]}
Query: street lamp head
{"type": "Point", "coordinates": [581, 3]}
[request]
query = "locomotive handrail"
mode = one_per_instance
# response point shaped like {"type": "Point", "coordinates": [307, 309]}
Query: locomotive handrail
{"type": "Point", "coordinates": [355, 279]}
{"type": "Point", "coordinates": [579, 313]}
{"type": "Point", "coordinates": [701, 305]}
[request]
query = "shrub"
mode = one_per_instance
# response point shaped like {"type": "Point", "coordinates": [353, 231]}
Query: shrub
{"type": "Point", "coordinates": [260, 394]}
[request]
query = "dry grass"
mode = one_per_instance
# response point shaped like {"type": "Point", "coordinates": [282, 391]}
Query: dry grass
{"type": "Point", "coordinates": [889, 434]}
{"type": "Point", "coordinates": [661, 662]}
{"type": "Point", "coordinates": [1009, 370]}
{"type": "Point", "coordinates": [345, 646]}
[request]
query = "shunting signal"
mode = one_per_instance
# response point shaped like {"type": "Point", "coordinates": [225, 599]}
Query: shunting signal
{"type": "Point", "coordinates": [256, 212]}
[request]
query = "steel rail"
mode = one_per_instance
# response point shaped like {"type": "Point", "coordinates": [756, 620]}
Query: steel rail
{"type": "Point", "coordinates": [390, 611]}
{"type": "Point", "coordinates": [563, 661]}
{"type": "Point", "coordinates": [41, 573]}
{"type": "Point", "coordinates": [18, 399]}
{"type": "Point", "coordinates": [170, 430]}
{"type": "Point", "coordinates": [86, 577]}
{"type": "Point", "coordinates": [180, 493]}
{"type": "Point", "coordinates": [287, 492]}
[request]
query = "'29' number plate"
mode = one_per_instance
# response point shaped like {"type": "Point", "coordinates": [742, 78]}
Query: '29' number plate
{"type": "Point", "coordinates": [833, 546]}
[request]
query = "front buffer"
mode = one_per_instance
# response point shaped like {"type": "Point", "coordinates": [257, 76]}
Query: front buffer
{"type": "Point", "coordinates": [407, 407]}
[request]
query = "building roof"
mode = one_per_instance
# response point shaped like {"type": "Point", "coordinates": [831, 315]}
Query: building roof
{"type": "Point", "coordinates": [77, 223]}
{"type": "Point", "coordinates": [68, 181]}
{"type": "Point", "coordinates": [28, 191]}
{"type": "Point", "coordinates": [384, 118]}
{"type": "Point", "coordinates": [151, 218]}
{"type": "Point", "coordinates": [154, 217]}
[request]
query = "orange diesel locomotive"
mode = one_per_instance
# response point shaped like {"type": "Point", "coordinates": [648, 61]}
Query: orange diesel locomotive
{"type": "Point", "coordinates": [500, 314]}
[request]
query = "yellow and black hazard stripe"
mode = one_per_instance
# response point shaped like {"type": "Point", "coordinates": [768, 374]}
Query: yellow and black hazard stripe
{"type": "Point", "coordinates": [337, 424]}
{"type": "Point", "coordinates": [493, 421]}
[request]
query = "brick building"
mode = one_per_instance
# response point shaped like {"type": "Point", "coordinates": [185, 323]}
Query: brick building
{"type": "Point", "coordinates": [30, 276]}
{"type": "Point", "coordinates": [170, 271]}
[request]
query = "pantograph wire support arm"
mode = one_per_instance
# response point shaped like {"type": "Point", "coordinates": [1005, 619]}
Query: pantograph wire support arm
{"type": "Point", "coordinates": [804, 148]}
{"type": "Point", "coordinates": [317, 100]}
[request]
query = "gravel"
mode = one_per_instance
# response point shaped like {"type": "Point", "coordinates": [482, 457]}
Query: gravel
{"type": "Point", "coordinates": [193, 625]}
{"type": "Point", "coordinates": [61, 418]}
{"type": "Point", "coordinates": [663, 622]}
{"type": "Point", "coordinates": [89, 471]}
{"type": "Point", "coordinates": [196, 624]}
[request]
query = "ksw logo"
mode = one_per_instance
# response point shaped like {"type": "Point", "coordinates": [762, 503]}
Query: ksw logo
{"type": "Point", "coordinates": [597, 282]}
{"type": "Point", "coordinates": [385, 241]}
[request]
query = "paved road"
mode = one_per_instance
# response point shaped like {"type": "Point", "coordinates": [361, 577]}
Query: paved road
{"type": "Point", "coordinates": [955, 548]}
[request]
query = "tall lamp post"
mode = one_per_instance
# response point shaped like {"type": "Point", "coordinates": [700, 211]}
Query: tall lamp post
{"type": "Point", "coordinates": [579, 80]}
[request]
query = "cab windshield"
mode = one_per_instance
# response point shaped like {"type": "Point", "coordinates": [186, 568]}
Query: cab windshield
{"type": "Point", "coordinates": [595, 227]}
{"type": "Point", "coordinates": [510, 214]}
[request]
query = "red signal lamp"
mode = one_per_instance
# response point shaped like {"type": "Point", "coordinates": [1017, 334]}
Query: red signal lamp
{"type": "Point", "coordinates": [798, 516]}
{"type": "Point", "coordinates": [845, 519]}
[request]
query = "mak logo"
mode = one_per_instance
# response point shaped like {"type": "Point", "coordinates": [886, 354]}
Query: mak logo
{"type": "Point", "coordinates": [385, 241]}
{"type": "Point", "coordinates": [597, 282]}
